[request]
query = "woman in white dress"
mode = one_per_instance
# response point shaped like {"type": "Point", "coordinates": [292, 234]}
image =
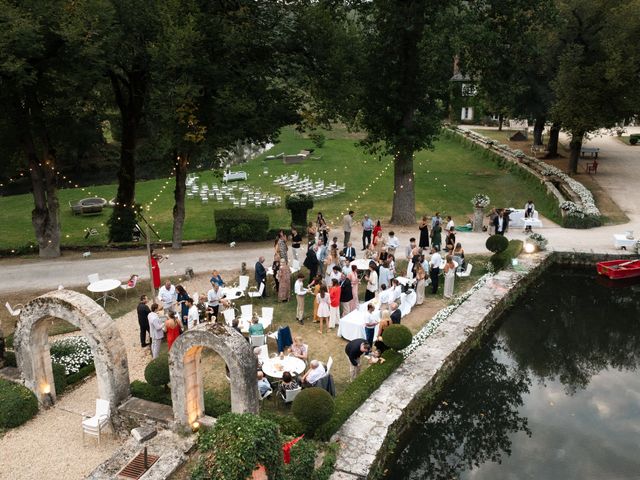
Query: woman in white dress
{"type": "Point", "coordinates": [421, 276]}
{"type": "Point", "coordinates": [323, 307]}
{"type": "Point", "coordinates": [449, 276]}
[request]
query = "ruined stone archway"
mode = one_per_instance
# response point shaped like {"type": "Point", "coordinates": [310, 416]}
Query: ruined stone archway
{"type": "Point", "coordinates": [31, 343]}
{"type": "Point", "coordinates": [187, 392]}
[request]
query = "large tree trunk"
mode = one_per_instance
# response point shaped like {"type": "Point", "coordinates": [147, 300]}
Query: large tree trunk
{"type": "Point", "coordinates": [500, 121]}
{"type": "Point", "coordinates": [576, 147]}
{"type": "Point", "coordinates": [404, 198]}
{"type": "Point", "coordinates": [45, 214]}
{"type": "Point", "coordinates": [554, 135]}
{"type": "Point", "coordinates": [181, 162]}
{"type": "Point", "coordinates": [538, 128]}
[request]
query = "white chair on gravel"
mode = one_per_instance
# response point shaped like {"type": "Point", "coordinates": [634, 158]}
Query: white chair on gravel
{"type": "Point", "coordinates": [95, 425]}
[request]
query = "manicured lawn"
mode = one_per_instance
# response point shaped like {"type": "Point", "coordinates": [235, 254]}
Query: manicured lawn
{"type": "Point", "coordinates": [446, 179]}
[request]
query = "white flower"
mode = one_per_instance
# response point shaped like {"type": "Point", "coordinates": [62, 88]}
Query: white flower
{"type": "Point", "coordinates": [79, 357]}
{"type": "Point", "coordinates": [480, 200]}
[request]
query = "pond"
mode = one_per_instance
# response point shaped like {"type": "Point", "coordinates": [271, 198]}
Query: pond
{"type": "Point", "coordinates": [553, 394]}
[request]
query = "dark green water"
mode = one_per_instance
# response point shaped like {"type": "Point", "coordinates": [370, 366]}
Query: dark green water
{"type": "Point", "coordinates": [555, 394]}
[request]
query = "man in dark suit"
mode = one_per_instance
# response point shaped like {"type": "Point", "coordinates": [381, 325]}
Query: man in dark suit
{"type": "Point", "coordinates": [346, 294]}
{"type": "Point", "coordinates": [261, 275]}
{"type": "Point", "coordinates": [396, 314]}
{"type": "Point", "coordinates": [349, 252]}
{"type": "Point", "coordinates": [143, 319]}
{"type": "Point", "coordinates": [311, 262]}
{"type": "Point", "coordinates": [501, 222]}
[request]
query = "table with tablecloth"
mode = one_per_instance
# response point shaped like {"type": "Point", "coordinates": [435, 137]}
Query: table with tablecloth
{"type": "Point", "coordinates": [517, 219]}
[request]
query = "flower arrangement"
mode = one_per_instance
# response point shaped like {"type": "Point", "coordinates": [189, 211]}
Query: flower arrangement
{"type": "Point", "coordinates": [480, 200]}
{"type": "Point", "coordinates": [539, 241]}
{"type": "Point", "coordinates": [72, 353]}
{"type": "Point", "coordinates": [426, 331]}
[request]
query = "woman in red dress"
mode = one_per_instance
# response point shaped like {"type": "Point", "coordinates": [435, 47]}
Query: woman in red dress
{"type": "Point", "coordinates": [376, 229]}
{"type": "Point", "coordinates": [173, 327]}
{"type": "Point", "coordinates": [155, 269]}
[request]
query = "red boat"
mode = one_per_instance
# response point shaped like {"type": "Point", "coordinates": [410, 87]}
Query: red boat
{"type": "Point", "coordinates": [618, 269]}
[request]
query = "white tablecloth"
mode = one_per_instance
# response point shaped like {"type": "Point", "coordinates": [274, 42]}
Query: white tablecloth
{"type": "Point", "coordinates": [516, 219]}
{"type": "Point", "coordinates": [352, 324]}
{"type": "Point", "coordinates": [231, 293]}
{"type": "Point", "coordinates": [274, 367]}
{"type": "Point", "coordinates": [362, 263]}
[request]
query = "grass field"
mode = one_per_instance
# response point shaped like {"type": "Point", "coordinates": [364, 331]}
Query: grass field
{"type": "Point", "coordinates": [446, 179]}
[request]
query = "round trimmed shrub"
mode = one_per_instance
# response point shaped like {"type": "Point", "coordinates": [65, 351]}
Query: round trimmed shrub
{"type": "Point", "coordinates": [299, 204]}
{"type": "Point", "coordinates": [157, 371]}
{"type": "Point", "coordinates": [313, 407]}
{"type": "Point", "coordinates": [18, 404]}
{"type": "Point", "coordinates": [397, 337]}
{"type": "Point", "coordinates": [235, 445]}
{"type": "Point", "coordinates": [497, 243]}
{"type": "Point", "coordinates": [59, 378]}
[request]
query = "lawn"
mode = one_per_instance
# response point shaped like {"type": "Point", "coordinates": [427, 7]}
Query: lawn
{"type": "Point", "coordinates": [446, 179]}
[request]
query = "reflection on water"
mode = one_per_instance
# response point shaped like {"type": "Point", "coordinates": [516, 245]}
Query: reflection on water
{"type": "Point", "coordinates": [553, 395]}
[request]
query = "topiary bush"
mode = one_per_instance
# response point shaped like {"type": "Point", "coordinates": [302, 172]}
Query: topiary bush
{"type": "Point", "coordinates": [397, 337]}
{"type": "Point", "coordinates": [497, 243]}
{"type": "Point", "coordinates": [59, 378]}
{"type": "Point", "coordinates": [235, 445]}
{"type": "Point", "coordinates": [157, 371]}
{"type": "Point", "coordinates": [18, 404]}
{"type": "Point", "coordinates": [313, 407]}
{"type": "Point", "coordinates": [299, 204]}
{"type": "Point", "coordinates": [249, 225]}
{"type": "Point", "coordinates": [503, 259]}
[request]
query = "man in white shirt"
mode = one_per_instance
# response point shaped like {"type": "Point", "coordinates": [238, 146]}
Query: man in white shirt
{"type": "Point", "coordinates": [321, 255]}
{"type": "Point", "coordinates": [347, 225]}
{"type": "Point", "coordinates": [372, 318]}
{"type": "Point", "coordinates": [450, 224]}
{"type": "Point", "coordinates": [372, 283]}
{"type": "Point", "coordinates": [193, 316]}
{"type": "Point", "coordinates": [408, 251]}
{"type": "Point", "coordinates": [168, 296]}
{"type": "Point", "coordinates": [392, 243]}
{"type": "Point", "coordinates": [155, 330]}
{"type": "Point", "coordinates": [213, 301]}
{"type": "Point", "coordinates": [386, 295]}
{"type": "Point", "coordinates": [316, 372]}
{"type": "Point", "coordinates": [300, 292]}
{"type": "Point", "coordinates": [397, 290]}
{"type": "Point", "coordinates": [434, 269]}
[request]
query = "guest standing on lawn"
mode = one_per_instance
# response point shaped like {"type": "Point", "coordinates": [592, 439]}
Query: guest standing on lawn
{"type": "Point", "coordinates": [347, 225]}
{"type": "Point", "coordinates": [261, 275]}
{"type": "Point", "coordinates": [155, 260]}
{"type": "Point", "coordinates": [436, 236]}
{"type": "Point", "coordinates": [346, 294]}
{"type": "Point", "coordinates": [312, 233]}
{"type": "Point", "coordinates": [275, 268]}
{"type": "Point", "coordinates": [371, 321]}
{"type": "Point", "coordinates": [434, 269]}
{"type": "Point", "coordinates": [334, 302]}
{"type": "Point", "coordinates": [283, 249]}
{"type": "Point", "coordinates": [284, 277]}
{"type": "Point", "coordinates": [323, 307]}
{"type": "Point", "coordinates": [421, 277]}
{"type": "Point", "coordinates": [167, 295]}
{"type": "Point", "coordinates": [216, 278]}
{"type": "Point", "coordinates": [377, 229]}
{"type": "Point", "coordinates": [181, 298]}
{"type": "Point", "coordinates": [311, 262]}
{"type": "Point", "coordinates": [300, 292]}
{"type": "Point", "coordinates": [367, 228]}
{"type": "Point", "coordinates": [372, 282]}
{"type": "Point", "coordinates": [449, 277]}
{"type": "Point", "coordinates": [355, 283]}
{"type": "Point", "coordinates": [296, 241]}
{"type": "Point", "coordinates": [143, 319]}
{"type": "Point", "coordinates": [323, 228]}
{"type": "Point", "coordinates": [193, 317]}
{"type": "Point", "coordinates": [314, 287]}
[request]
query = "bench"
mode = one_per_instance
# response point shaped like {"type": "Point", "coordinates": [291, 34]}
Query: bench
{"type": "Point", "coordinates": [591, 151]}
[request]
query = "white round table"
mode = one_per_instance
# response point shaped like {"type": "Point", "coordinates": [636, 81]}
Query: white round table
{"type": "Point", "coordinates": [104, 286]}
{"type": "Point", "coordinates": [274, 367]}
{"type": "Point", "coordinates": [362, 263]}
{"type": "Point", "coordinates": [231, 293]}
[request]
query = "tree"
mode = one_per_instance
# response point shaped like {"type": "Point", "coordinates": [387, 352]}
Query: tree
{"type": "Point", "coordinates": [133, 32]}
{"type": "Point", "coordinates": [47, 79]}
{"type": "Point", "coordinates": [597, 74]}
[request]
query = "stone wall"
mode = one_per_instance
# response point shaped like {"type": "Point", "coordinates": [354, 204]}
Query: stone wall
{"type": "Point", "coordinates": [187, 390]}
{"type": "Point", "coordinates": [370, 435]}
{"type": "Point", "coordinates": [32, 344]}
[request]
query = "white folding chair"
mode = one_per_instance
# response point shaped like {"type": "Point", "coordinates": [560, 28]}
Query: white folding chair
{"type": "Point", "coordinates": [257, 340]}
{"type": "Point", "coordinates": [267, 394]}
{"type": "Point", "coordinates": [94, 425]}
{"type": "Point", "coordinates": [229, 316]}
{"type": "Point", "coordinates": [466, 272]}
{"type": "Point", "coordinates": [16, 312]}
{"type": "Point", "coordinates": [93, 278]}
{"type": "Point", "coordinates": [258, 293]}
{"type": "Point", "coordinates": [246, 312]}
{"type": "Point", "coordinates": [329, 365]}
{"type": "Point", "coordinates": [126, 287]}
{"type": "Point", "coordinates": [243, 282]}
{"type": "Point", "coordinates": [290, 395]}
{"type": "Point", "coordinates": [267, 313]}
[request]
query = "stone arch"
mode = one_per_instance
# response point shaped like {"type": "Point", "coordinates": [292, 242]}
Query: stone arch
{"type": "Point", "coordinates": [31, 344]}
{"type": "Point", "coordinates": [187, 392]}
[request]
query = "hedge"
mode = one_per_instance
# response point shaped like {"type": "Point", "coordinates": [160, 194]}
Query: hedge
{"type": "Point", "coordinates": [59, 378]}
{"type": "Point", "coordinates": [303, 459]}
{"type": "Point", "coordinates": [156, 372]}
{"type": "Point", "coordinates": [81, 374]}
{"type": "Point", "coordinates": [213, 406]}
{"type": "Point", "coordinates": [503, 259]}
{"type": "Point", "coordinates": [235, 445]}
{"type": "Point", "coordinates": [358, 392]}
{"type": "Point", "coordinates": [18, 404]}
{"type": "Point", "coordinates": [588, 221]}
{"type": "Point", "coordinates": [229, 223]}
